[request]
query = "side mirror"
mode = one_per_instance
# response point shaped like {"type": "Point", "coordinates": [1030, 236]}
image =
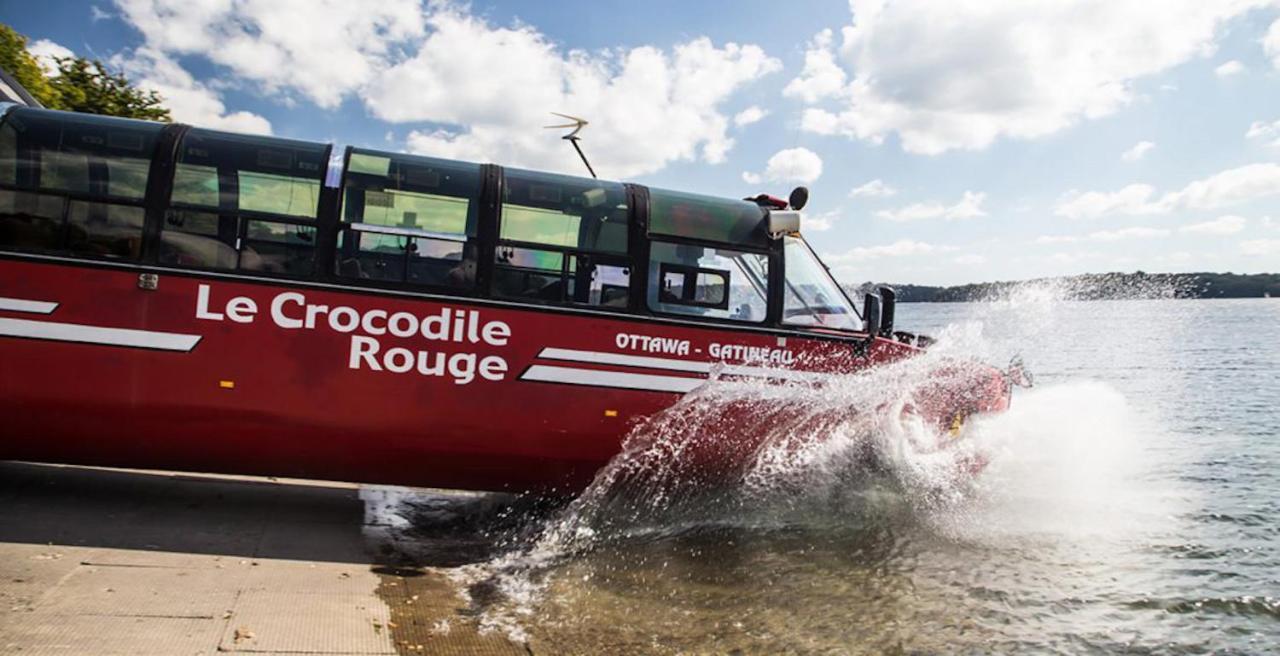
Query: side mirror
{"type": "Point", "coordinates": [871, 314]}
{"type": "Point", "coordinates": [889, 299]}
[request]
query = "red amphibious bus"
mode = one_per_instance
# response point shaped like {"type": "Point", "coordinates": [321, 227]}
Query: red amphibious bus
{"type": "Point", "coordinates": [180, 298]}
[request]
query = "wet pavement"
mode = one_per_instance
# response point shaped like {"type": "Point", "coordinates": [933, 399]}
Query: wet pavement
{"type": "Point", "coordinates": [108, 561]}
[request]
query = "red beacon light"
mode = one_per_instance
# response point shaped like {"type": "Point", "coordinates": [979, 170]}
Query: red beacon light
{"type": "Point", "coordinates": [799, 197]}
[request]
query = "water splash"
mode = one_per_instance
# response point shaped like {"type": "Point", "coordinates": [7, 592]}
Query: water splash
{"type": "Point", "coordinates": [1065, 461]}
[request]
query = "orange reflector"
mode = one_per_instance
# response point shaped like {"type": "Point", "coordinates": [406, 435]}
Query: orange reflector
{"type": "Point", "coordinates": [611, 413]}
{"type": "Point", "coordinates": [227, 384]}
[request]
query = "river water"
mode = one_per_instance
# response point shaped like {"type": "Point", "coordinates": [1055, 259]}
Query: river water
{"type": "Point", "coordinates": [1131, 504]}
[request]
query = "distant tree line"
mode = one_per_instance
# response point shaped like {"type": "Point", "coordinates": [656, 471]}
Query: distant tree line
{"type": "Point", "coordinates": [1097, 286]}
{"type": "Point", "coordinates": [78, 84]}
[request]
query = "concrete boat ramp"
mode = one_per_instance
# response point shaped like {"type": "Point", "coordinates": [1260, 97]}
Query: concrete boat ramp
{"type": "Point", "coordinates": [103, 561]}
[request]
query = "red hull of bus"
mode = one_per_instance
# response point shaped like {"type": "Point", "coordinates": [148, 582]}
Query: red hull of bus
{"type": "Point", "coordinates": [96, 370]}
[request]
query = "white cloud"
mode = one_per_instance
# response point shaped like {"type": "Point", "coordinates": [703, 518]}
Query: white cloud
{"type": "Point", "coordinates": [1133, 199]}
{"type": "Point", "coordinates": [487, 90]}
{"type": "Point", "coordinates": [323, 49]}
{"type": "Point", "coordinates": [750, 115]}
{"type": "Point", "coordinates": [958, 75]}
{"type": "Point", "coordinates": [751, 178]}
{"type": "Point", "coordinates": [188, 100]}
{"type": "Point", "coordinates": [1233, 67]}
{"type": "Point", "coordinates": [1105, 236]}
{"type": "Point", "coordinates": [794, 164]}
{"type": "Point", "coordinates": [900, 248]}
{"type": "Point", "coordinates": [873, 189]}
{"type": "Point", "coordinates": [1223, 189]}
{"type": "Point", "coordinates": [96, 13]}
{"type": "Point", "coordinates": [494, 87]}
{"type": "Point", "coordinates": [1138, 151]}
{"type": "Point", "coordinates": [790, 165]}
{"type": "Point", "coordinates": [1260, 247]}
{"type": "Point", "coordinates": [1070, 258]}
{"type": "Point", "coordinates": [1271, 43]}
{"type": "Point", "coordinates": [1128, 233]}
{"type": "Point", "coordinates": [1264, 130]}
{"type": "Point", "coordinates": [820, 222]}
{"type": "Point", "coordinates": [968, 207]}
{"type": "Point", "coordinates": [970, 259]}
{"type": "Point", "coordinates": [47, 53]}
{"type": "Point", "coordinates": [1229, 187]}
{"type": "Point", "coordinates": [821, 77]}
{"type": "Point", "coordinates": [1223, 225]}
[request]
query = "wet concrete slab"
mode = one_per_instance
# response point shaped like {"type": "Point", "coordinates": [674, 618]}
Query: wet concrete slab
{"type": "Point", "coordinates": [103, 561]}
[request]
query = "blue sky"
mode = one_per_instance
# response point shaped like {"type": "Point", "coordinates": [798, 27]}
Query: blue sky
{"type": "Point", "coordinates": [944, 142]}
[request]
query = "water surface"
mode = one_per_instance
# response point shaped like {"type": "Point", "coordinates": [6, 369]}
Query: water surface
{"type": "Point", "coordinates": [1132, 504]}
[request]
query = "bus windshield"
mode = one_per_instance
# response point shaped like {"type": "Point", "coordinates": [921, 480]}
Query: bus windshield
{"type": "Point", "coordinates": [812, 297]}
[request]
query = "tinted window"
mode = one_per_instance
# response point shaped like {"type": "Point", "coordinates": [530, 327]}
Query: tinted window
{"type": "Point", "coordinates": [705, 218]}
{"type": "Point", "coordinates": [409, 219]}
{"type": "Point", "coordinates": [564, 211]}
{"type": "Point", "coordinates": [716, 283]}
{"type": "Point", "coordinates": [411, 192]}
{"type": "Point", "coordinates": [105, 230]}
{"type": "Point", "coordinates": [244, 202]}
{"type": "Point", "coordinates": [579, 228]}
{"type": "Point", "coordinates": [91, 175]}
{"type": "Point", "coordinates": [31, 221]}
{"type": "Point", "coordinates": [247, 173]}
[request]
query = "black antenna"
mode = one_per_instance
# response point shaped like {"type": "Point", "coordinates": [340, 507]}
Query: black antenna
{"type": "Point", "coordinates": [573, 137]}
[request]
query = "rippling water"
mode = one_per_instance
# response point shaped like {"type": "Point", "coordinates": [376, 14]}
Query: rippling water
{"type": "Point", "coordinates": [1132, 504]}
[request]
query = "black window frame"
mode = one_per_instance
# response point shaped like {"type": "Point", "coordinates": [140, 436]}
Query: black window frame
{"type": "Point", "coordinates": [772, 290]}
{"type": "Point", "coordinates": [28, 172]}
{"type": "Point", "coordinates": [688, 291]}
{"type": "Point", "coordinates": [472, 238]}
{"type": "Point", "coordinates": [624, 258]}
{"type": "Point", "coordinates": [238, 224]}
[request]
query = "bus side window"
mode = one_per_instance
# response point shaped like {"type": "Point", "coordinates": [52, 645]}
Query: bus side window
{"type": "Point", "coordinates": [74, 184]}
{"type": "Point", "coordinates": [562, 240]}
{"type": "Point", "coordinates": [244, 202]}
{"type": "Point", "coordinates": [409, 220]}
{"type": "Point", "coordinates": [716, 283]}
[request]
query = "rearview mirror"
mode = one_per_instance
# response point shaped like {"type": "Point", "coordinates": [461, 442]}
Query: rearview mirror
{"type": "Point", "coordinates": [871, 314]}
{"type": "Point", "coordinates": [889, 299]}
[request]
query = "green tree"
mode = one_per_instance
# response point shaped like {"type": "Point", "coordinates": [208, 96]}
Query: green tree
{"type": "Point", "coordinates": [81, 85]}
{"type": "Point", "coordinates": [15, 59]}
{"type": "Point", "coordinates": [87, 86]}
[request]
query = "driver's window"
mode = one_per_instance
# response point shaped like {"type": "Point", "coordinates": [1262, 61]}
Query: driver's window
{"type": "Point", "coordinates": [716, 283]}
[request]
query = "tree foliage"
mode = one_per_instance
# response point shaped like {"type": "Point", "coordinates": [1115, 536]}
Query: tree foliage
{"type": "Point", "coordinates": [87, 86]}
{"type": "Point", "coordinates": [15, 59]}
{"type": "Point", "coordinates": [79, 85]}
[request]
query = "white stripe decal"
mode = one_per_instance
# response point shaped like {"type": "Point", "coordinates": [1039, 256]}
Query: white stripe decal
{"type": "Point", "coordinates": [622, 359]}
{"type": "Point", "coordinates": [73, 332]}
{"type": "Point", "coordinates": [22, 305]}
{"type": "Point", "coordinates": [617, 379]}
{"type": "Point", "coordinates": [692, 366]}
